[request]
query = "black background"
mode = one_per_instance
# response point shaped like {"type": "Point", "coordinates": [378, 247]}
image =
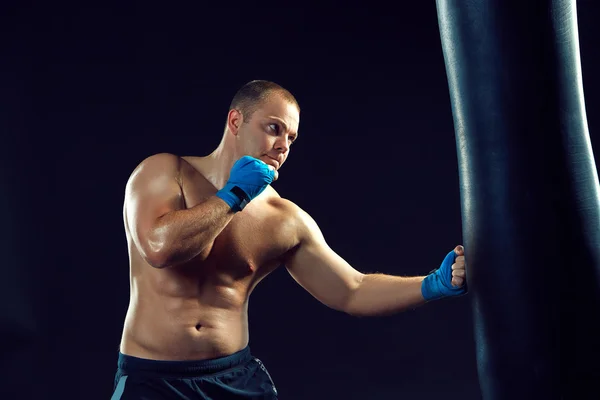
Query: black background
{"type": "Point", "coordinates": [88, 90]}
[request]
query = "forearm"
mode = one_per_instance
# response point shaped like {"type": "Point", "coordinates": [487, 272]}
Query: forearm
{"type": "Point", "coordinates": [181, 235]}
{"type": "Point", "coordinates": [379, 294]}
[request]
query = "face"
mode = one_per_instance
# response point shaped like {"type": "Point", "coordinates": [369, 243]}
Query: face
{"type": "Point", "coordinates": [269, 133]}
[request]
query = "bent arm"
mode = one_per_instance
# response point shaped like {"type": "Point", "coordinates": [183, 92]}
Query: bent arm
{"type": "Point", "coordinates": [164, 231]}
{"type": "Point", "coordinates": [335, 283]}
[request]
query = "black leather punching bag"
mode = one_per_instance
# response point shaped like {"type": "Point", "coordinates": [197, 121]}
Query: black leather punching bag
{"type": "Point", "coordinates": [529, 195]}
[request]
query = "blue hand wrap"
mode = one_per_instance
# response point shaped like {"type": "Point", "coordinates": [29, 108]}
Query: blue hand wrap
{"type": "Point", "coordinates": [248, 178]}
{"type": "Point", "coordinates": [438, 284]}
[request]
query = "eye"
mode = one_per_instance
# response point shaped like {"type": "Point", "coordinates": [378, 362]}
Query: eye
{"type": "Point", "coordinates": [292, 140]}
{"type": "Point", "coordinates": [274, 128]}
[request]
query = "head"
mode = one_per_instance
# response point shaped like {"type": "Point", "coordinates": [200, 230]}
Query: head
{"type": "Point", "coordinates": [262, 122]}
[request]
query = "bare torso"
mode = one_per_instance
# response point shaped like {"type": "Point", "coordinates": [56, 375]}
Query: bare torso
{"type": "Point", "coordinates": [198, 310]}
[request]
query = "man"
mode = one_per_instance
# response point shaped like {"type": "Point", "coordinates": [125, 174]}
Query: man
{"type": "Point", "coordinates": [203, 231]}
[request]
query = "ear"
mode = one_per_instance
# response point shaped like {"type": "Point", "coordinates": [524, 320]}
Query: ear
{"type": "Point", "coordinates": [234, 121]}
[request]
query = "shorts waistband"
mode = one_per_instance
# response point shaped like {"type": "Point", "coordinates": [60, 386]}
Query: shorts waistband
{"type": "Point", "coordinates": [130, 364]}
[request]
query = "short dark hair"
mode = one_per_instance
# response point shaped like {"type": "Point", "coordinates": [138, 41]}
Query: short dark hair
{"type": "Point", "coordinates": [250, 96]}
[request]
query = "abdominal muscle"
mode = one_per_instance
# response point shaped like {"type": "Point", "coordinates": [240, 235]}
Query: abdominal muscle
{"type": "Point", "coordinates": [170, 325]}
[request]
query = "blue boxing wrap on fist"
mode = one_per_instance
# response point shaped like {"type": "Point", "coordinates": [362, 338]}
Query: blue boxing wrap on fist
{"type": "Point", "coordinates": [438, 284]}
{"type": "Point", "coordinates": [248, 178]}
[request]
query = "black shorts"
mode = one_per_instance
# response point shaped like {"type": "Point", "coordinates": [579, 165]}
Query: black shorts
{"type": "Point", "coordinates": [238, 376]}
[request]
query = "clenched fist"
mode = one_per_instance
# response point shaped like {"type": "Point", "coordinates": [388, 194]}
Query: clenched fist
{"type": "Point", "coordinates": [449, 279]}
{"type": "Point", "coordinates": [459, 271]}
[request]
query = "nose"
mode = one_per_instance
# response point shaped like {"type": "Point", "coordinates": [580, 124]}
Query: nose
{"type": "Point", "coordinates": [282, 144]}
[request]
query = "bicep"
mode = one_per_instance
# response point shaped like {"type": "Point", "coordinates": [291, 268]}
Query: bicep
{"type": "Point", "coordinates": [152, 192]}
{"type": "Point", "coordinates": [320, 270]}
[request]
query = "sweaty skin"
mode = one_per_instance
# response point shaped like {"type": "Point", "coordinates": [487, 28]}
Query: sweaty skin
{"type": "Point", "coordinates": [199, 309]}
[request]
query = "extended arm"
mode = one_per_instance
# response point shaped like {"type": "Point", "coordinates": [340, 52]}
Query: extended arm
{"type": "Point", "coordinates": [330, 279]}
{"type": "Point", "coordinates": [334, 282]}
{"type": "Point", "coordinates": [381, 294]}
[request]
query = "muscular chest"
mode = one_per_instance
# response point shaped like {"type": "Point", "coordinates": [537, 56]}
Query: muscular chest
{"type": "Point", "coordinates": [256, 237]}
{"type": "Point", "coordinates": [254, 241]}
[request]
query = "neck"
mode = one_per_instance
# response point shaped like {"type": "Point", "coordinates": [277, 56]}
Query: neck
{"type": "Point", "coordinates": [221, 161]}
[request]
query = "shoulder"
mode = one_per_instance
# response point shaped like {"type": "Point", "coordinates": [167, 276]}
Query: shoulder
{"type": "Point", "coordinates": [154, 171]}
{"type": "Point", "coordinates": [303, 225]}
{"type": "Point", "coordinates": [283, 206]}
{"type": "Point", "coordinates": [159, 163]}
{"type": "Point", "coordinates": [160, 159]}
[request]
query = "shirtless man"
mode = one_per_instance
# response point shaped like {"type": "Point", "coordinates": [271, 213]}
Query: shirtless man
{"type": "Point", "coordinates": [203, 231]}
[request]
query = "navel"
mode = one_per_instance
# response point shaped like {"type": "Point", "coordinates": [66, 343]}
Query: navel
{"type": "Point", "coordinates": [198, 326]}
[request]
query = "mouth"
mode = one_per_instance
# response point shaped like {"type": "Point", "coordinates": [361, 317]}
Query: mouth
{"type": "Point", "coordinates": [273, 162]}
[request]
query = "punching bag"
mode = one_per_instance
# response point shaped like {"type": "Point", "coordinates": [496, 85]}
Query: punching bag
{"type": "Point", "coordinates": [530, 198]}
